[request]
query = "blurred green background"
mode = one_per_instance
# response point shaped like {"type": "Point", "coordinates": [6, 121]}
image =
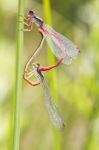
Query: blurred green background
{"type": "Point", "coordinates": [76, 85]}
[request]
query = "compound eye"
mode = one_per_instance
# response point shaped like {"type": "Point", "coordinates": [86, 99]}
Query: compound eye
{"type": "Point", "coordinates": [31, 12]}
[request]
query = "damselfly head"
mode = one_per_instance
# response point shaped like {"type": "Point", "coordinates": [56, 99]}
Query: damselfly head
{"type": "Point", "coordinates": [35, 65]}
{"type": "Point", "coordinates": [30, 13]}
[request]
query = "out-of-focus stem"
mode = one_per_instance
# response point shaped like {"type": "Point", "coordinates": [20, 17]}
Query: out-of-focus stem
{"type": "Point", "coordinates": [51, 60]}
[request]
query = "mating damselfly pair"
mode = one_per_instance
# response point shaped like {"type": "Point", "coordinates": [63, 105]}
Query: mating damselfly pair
{"type": "Point", "coordinates": [61, 47]}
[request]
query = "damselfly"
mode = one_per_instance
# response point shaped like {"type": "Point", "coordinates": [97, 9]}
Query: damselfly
{"type": "Point", "coordinates": [53, 112]}
{"type": "Point", "coordinates": [61, 46]}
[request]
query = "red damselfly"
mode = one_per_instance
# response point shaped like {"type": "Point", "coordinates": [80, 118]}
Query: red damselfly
{"type": "Point", "coordinates": [61, 46]}
{"type": "Point", "coordinates": [53, 112]}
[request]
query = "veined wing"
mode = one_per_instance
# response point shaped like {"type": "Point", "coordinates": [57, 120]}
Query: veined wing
{"type": "Point", "coordinates": [53, 112]}
{"type": "Point", "coordinates": [59, 43]}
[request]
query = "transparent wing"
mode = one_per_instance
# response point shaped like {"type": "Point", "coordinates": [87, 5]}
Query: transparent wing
{"type": "Point", "coordinates": [53, 112]}
{"type": "Point", "coordinates": [69, 48]}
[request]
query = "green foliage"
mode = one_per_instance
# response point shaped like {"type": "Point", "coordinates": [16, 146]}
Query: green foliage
{"type": "Point", "coordinates": [75, 87]}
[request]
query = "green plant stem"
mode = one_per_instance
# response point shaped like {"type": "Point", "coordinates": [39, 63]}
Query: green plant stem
{"type": "Point", "coordinates": [51, 60]}
{"type": "Point", "coordinates": [18, 84]}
